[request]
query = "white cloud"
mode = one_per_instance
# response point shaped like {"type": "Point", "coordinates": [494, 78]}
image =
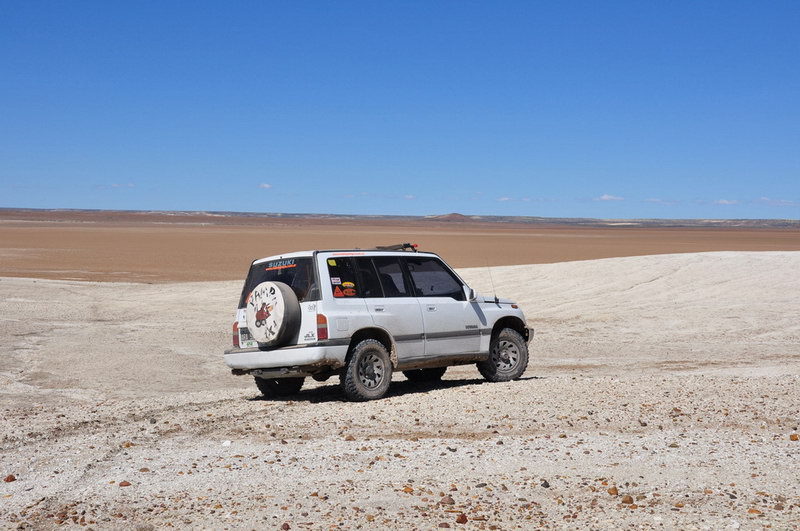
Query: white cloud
{"type": "Point", "coordinates": [114, 186]}
{"type": "Point", "coordinates": [526, 199]}
{"type": "Point", "coordinates": [609, 197]}
{"type": "Point", "coordinates": [777, 202]}
{"type": "Point", "coordinates": [726, 202]}
{"type": "Point", "coordinates": [667, 202]}
{"type": "Point", "coordinates": [409, 197]}
{"type": "Point", "coordinates": [265, 186]}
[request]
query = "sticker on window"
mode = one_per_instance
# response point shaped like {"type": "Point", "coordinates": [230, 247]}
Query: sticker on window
{"type": "Point", "coordinates": [331, 262]}
{"type": "Point", "coordinates": [280, 264]}
{"type": "Point", "coordinates": [335, 281]}
{"type": "Point", "coordinates": [338, 292]}
{"type": "Point", "coordinates": [348, 285]}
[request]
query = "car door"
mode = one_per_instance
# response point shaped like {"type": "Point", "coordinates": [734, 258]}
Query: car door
{"type": "Point", "coordinates": [452, 326]}
{"type": "Point", "coordinates": [391, 303]}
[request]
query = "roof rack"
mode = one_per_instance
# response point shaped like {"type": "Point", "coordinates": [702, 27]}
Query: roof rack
{"type": "Point", "coordinates": [398, 247]}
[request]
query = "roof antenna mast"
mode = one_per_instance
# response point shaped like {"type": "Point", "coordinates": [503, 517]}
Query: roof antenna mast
{"type": "Point", "coordinates": [494, 291]}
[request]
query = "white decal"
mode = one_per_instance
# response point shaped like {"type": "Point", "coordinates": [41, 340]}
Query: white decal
{"type": "Point", "coordinates": [265, 310]}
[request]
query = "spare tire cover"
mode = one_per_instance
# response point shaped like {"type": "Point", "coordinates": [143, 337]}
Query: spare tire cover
{"type": "Point", "coordinates": [273, 314]}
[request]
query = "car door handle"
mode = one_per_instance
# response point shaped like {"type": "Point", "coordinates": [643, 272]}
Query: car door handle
{"type": "Point", "coordinates": [380, 309]}
{"type": "Point", "coordinates": [431, 308]}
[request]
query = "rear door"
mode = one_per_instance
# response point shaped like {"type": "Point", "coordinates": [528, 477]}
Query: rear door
{"type": "Point", "coordinates": [392, 304]}
{"type": "Point", "coordinates": [451, 322]}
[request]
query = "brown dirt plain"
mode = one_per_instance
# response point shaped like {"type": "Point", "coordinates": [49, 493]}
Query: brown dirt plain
{"type": "Point", "coordinates": [662, 389]}
{"type": "Point", "coordinates": [156, 247]}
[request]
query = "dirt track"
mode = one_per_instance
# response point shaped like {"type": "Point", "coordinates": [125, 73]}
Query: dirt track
{"type": "Point", "coordinates": [661, 393]}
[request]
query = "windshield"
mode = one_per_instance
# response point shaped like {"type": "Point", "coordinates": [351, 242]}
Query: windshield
{"type": "Point", "coordinates": [297, 273]}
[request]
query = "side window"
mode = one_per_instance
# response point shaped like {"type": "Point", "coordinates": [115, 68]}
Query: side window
{"type": "Point", "coordinates": [391, 277]}
{"type": "Point", "coordinates": [342, 275]}
{"type": "Point", "coordinates": [369, 285]}
{"type": "Point", "coordinates": [432, 279]}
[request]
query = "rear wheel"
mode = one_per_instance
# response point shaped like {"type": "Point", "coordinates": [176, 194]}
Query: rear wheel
{"type": "Point", "coordinates": [368, 371]}
{"type": "Point", "coordinates": [425, 375]}
{"type": "Point", "coordinates": [509, 357]}
{"type": "Point", "coordinates": [276, 387]}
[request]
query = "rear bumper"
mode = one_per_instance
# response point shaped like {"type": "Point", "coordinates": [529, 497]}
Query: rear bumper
{"type": "Point", "coordinates": [306, 359]}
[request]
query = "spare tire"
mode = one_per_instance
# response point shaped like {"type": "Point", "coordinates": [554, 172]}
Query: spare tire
{"type": "Point", "coordinates": [273, 314]}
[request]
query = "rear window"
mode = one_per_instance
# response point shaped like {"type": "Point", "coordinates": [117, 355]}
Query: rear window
{"type": "Point", "coordinates": [297, 273]}
{"type": "Point", "coordinates": [390, 275]}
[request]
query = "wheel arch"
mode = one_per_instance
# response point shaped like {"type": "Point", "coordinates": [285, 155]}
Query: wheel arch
{"type": "Point", "coordinates": [515, 323]}
{"type": "Point", "coordinates": [378, 334]}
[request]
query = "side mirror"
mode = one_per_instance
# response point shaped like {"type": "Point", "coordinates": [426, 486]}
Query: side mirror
{"type": "Point", "coordinates": [470, 293]}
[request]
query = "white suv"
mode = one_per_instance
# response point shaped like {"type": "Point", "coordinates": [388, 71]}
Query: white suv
{"type": "Point", "coordinates": [363, 314]}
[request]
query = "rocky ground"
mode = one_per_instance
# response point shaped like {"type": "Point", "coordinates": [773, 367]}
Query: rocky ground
{"type": "Point", "coordinates": [662, 397]}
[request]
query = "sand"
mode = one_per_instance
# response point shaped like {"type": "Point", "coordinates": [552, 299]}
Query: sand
{"type": "Point", "coordinates": [661, 393]}
{"type": "Point", "coordinates": [129, 247]}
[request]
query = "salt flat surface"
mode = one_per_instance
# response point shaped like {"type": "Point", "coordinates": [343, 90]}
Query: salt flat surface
{"type": "Point", "coordinates": [669, 380]}
{"type": "Point", "coordinates": [728, 310]}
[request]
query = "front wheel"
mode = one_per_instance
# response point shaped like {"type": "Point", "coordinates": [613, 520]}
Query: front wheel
{"type": "Point", "coordinates": [509, 357]}
{"type": "Point", "coordinates": [368, 372]}
{"type": "Point", "coordinates": [277, 387]}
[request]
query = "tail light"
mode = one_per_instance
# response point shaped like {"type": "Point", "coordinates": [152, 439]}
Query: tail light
{"type": "Point", "coordinates": [322, 327]}
{"type": "Point", "coordinates": [236, 334]}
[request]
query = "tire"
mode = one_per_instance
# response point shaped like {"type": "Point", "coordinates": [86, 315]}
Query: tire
{"type": "Point", "coordinates": [509, 357]}
{"type": "Point", "coordinates": [367, 372]}
{"type": "Point", "coordinates": [283, 321]}
{"type": "Point", "coordinates": [425, 375]}
{"type": "Point", "coordinates": [277, 387]}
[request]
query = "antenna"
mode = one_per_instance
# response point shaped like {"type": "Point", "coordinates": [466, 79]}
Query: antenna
{"type": "Point", "coordinates": [494, 291]}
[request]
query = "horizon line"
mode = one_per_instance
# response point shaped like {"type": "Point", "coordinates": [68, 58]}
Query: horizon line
{"type": "Point", "coordinates": [451, 216]}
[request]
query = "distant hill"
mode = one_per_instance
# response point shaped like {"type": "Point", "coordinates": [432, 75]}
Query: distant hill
{"type": "Point", "coordinates": [453, 217]}
{"type": "Point", "coordinates": [258, 218]}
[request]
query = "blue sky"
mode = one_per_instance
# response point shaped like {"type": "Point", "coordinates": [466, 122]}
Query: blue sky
{"type": "Point", "coordinates": [578, 109]}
